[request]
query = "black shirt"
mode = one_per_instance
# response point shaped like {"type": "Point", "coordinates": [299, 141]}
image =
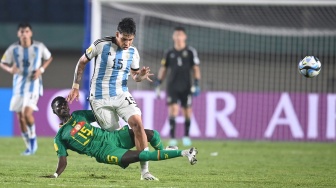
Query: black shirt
{"type": "Point", "coordinates": [180, 64]}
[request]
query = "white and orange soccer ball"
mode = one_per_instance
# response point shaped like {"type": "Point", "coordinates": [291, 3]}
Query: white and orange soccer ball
{"type": "Point", "coordinates": [310, 66]}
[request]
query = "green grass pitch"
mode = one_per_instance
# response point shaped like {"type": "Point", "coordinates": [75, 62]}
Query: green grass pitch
{"type": "Point", "coordinates": [238, 164]}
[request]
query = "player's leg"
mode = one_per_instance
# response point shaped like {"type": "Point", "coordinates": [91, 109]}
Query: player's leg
{"type": "Point", "coordinates": [29, 106]}
{"type": "Point", "coordinates": [24, 132]}
{"type": "Point", "coordinates": [140, 138]}
{"type": "Point", "coordinates": [186, 101]}
{"type": "Point", "coordinates": [173, 109]}
{"type": "Point", "coordinates": [157, 155]}
{"type": "Point", "coordinates": [30, 121]}
{"type": "Point", "coordinates": [129, 111]}
{"type": "Point", "coordinates": [16, 105]}
{"type": "Point", "coordinates": [105, 114]}
{"type": "Point", "coordinates": [111, 154]}
{"type": "Point", "coordinates": [153, 137]}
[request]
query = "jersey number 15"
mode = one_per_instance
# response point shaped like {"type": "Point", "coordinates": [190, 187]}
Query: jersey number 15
{"type": "Point", "coordinates": [117, 65]}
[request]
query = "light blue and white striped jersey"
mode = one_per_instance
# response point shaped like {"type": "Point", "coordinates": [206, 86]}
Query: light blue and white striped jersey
{"type": "Point", "coordinates": [27, 60]}
{"type": "Point", "coordinates": [112, 67]}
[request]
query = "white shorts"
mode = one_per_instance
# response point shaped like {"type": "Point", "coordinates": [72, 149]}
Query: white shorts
{"type": "Point", "coordinates": [108, 110]}
{"type": "Point", "coordinates": [18, 103]}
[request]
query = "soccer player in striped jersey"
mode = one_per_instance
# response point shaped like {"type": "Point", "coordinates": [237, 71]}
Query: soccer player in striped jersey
{"type": "Point", "coordinates": [115, 58]}
{"type": "Point", "coordinates": [77, 134]}
{"type": "Point", "coordinates": [27, 60]}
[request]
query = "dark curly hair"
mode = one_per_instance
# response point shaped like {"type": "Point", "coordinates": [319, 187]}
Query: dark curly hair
{"type": "Point", "coordinates": [59, 98]}
{"type": "Point", "coordinates": [127, 26]}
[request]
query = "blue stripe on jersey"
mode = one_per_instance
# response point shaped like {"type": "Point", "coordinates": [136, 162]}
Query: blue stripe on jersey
{"type": "Point", "coordinates": [32, 84]}
{"type": "Point", "coordinates": [127, 70]}
{"type": "Point", "coordinates": [101, 72]}
{"type": "Point", "coordinates": [25, 70]}
{"type": "Point", "coordinates": [115, 72]}
{"type": "Point", "coordinates": [16, 58]}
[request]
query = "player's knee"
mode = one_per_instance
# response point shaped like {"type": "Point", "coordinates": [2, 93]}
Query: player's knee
{"type": "Point", "coordinates": [22, 119]}
{"type": "Point", "coordinates": [136, 128]}
{"type": "Point", "coordinates": [27, 116]}
{"type": "Point", "coordinates": [135, 123]}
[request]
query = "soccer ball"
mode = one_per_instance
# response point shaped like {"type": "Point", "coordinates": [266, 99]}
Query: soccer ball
{"type": "Point", "coordinates": [310, 66]}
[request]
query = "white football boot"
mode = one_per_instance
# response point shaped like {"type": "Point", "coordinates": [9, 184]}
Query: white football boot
{"type": "Point", "coordinates": [191, 154]}
{"type": "Point", "coordinates": [148, 176]}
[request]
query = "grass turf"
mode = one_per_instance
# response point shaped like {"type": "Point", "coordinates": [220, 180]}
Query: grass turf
{"type": "Point", "coordinates": [238, 164]}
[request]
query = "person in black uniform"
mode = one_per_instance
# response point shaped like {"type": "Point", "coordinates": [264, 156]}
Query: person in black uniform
{"type": "Point", "coordinates": [181, 61]}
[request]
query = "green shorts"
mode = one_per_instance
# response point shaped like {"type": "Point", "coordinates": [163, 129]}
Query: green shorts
{"type": "Point", "coordinates": [115, 147]}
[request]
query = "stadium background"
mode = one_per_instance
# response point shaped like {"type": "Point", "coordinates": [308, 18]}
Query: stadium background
{"type": "Point", "coordinates": [249, 55]}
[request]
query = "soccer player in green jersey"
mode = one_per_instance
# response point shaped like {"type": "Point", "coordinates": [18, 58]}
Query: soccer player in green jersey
{"type": "Point", "coordinates": [77, 134]}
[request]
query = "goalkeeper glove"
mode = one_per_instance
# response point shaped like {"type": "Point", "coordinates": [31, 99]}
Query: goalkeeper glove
{"type": "Point", "coordinates": [157, 84]}
{"type": "Point", "coordinates": [196, 89]}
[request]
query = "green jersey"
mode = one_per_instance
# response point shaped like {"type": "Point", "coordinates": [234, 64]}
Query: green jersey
{"type": "Point", "coordinates": [78, 135]}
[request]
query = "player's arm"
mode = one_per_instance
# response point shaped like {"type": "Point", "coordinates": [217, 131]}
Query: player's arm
{"type": "Point", "coordinates": [80, 70]}
{"type": "Point", "coordinates": [44, 66]}
{"type": "Point", "coordinates": [161, 76]}
{"type": "Point", "coordinates": [138, 74]}
{"type": "Point", "coordinates": [6, 62]}
{"type": "Point", "coordinates": [197, 72]}
{"type": "Point", "coordinates": [62, 163]}
{"type": "Point", "coordinates": [195, 64]}
{"type": "Point", "coordinates": [163, 69]}
{"type": "Point", "coordinates": [62, 154]}
{"type": "Point", "coordinates": [10, 69]}
{"type": "Point", "coordinates": [46, 63]}
{"type": "Point", "coordinates": [90, 53]}
{"type": "Point", "coordinates": [47, 58]}
{"type": "Point", "coordinates": [162, 73]}
{"type": "Point", "coordinates": [80, 67]}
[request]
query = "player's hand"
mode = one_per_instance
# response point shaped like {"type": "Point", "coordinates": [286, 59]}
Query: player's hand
{"type": "Point", "coordinates": [14, 69]}
{"type": "Point", "coordinates": [36, 74]}
{"type": "Point", "coordinates": [74, 94]}
{"type": "Point", "coordinates": [196, 89]}
{"type": "Point", "coordinates": [157, 84]}
{"type": "Point", "coordinates": [145, 73]}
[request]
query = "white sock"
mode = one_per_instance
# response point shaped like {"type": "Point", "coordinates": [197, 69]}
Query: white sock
{"type": "Point", "coordinates": [25, 138]}
{"type": "Point", "coordinates": [184, 153]}
{"type": "Point", "coordinates": [144, 164]}
{"type": "Point", "coordinates": [31, 131]}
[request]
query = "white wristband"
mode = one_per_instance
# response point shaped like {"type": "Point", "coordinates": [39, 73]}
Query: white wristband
{"type": "Point", "coordinates": [75, 86]}
{"type": "Point", "coordinates": [56, 175]}
{"type": "Point", "coordinates": [42, 70]}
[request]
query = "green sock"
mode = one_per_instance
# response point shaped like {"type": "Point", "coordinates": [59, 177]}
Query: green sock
{"type": "Point", "coordinates": [159, 155]}
{"type": "Point", "coordinates": [156, 141]}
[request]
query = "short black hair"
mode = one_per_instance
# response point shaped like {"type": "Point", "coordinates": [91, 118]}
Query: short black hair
{"type": "Point", "coordinates": [127, 26]}
{"type": "Point", "coordinates": [180, 28]}
{"type": "Point", "coordinates": [24, 25]}
{"type": "Point", "coordinates": [58, 98]}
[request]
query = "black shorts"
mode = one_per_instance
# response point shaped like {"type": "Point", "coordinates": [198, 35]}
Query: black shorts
{"type": "Point", "coordinates": [184, 97]}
